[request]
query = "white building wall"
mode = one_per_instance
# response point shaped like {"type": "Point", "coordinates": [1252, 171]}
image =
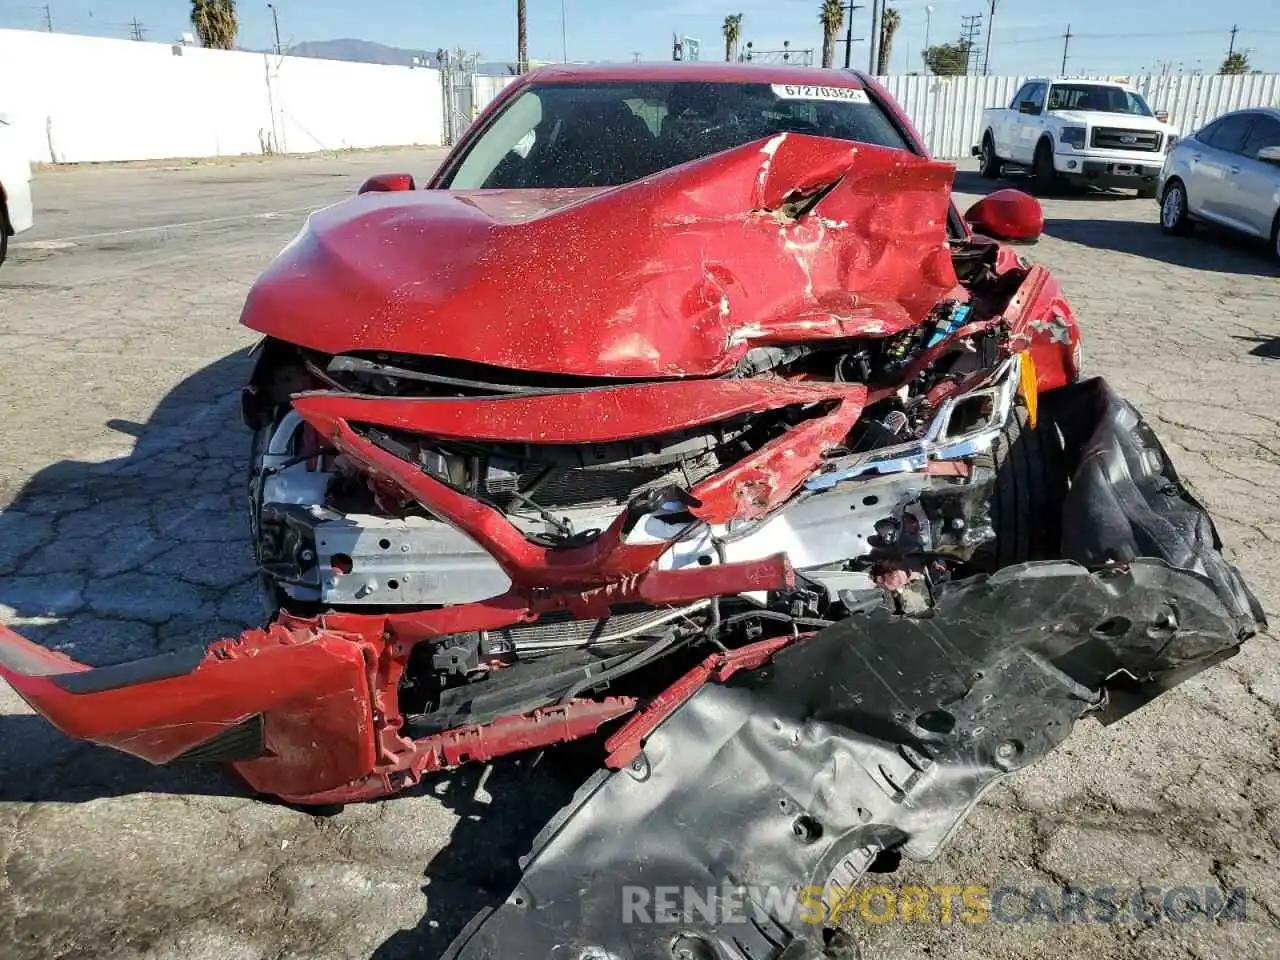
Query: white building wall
{"type": "Point", "coordinates": [78, 99]}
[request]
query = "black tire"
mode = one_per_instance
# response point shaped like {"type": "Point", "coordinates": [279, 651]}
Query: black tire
{"type": "Point", "coordinates": [1174, 218]}
{"type": "Point", "coordinates": [991, 166]}
{"type": "Point", "coordinates": [1030, 487]}
{"type": "Point", "coordinates": [4, 230]}
{"type": "Point", "coordinates": [1275, 239]}
{"type": "Point", "coordinates": [1042, 172]}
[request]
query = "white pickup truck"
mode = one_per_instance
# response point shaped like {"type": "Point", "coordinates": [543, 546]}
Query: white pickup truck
{"type": "Point", "coordinates": [15, 187]}
{"type": "Point", "coordinates": [1083, 131]}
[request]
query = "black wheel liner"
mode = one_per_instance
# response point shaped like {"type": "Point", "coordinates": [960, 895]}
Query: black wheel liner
{"type": "Point", "coordinates": [882, 733]}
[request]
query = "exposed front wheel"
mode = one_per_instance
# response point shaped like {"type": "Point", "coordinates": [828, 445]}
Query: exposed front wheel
{"type": "Point", "coordinates": [990, 165]}
{"type": "Point", "coordinates": [1174, 218]}
{"type": "Point", "coordinates": [1030, 486]}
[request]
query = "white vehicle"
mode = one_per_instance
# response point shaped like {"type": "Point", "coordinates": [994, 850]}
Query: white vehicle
{"type": "Point", "coordinates": [15, 187]}
{"type": "Point", "coordinates": [1081, 131]}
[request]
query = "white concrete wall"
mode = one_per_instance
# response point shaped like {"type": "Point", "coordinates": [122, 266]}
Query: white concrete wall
{"type": "Point", "coordinates": [78, 99]}
{"type": "Point", "coordinates": [948, 110]}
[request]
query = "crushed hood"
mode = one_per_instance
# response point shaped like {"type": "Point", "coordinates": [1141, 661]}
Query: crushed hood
{"type": "Point", "coordinates": [679, 274]}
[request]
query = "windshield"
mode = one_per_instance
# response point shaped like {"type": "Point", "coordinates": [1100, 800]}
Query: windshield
{"type": "Point", "coordinates": [605, 134]}
{"type": "Point", "coordinates": [1092, 96]}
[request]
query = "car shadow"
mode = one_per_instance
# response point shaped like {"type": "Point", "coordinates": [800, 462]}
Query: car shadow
{"type": "Point", "coordinates": [1208, 250]}
{"type": "Point", "coordinates": [478, 868]}
{"type": "Point", "coordinates": [1268, 348]}
{"type": "Point", "coordinates": [972, 183]}
{"type": "Point", "coordinates": [124, 559]}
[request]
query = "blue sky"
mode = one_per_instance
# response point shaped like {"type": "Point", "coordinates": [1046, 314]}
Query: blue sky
{"type": "Point", "coordinates": [1111, 36]}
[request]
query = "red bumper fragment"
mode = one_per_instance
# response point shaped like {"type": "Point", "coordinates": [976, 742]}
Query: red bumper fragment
{"type": "Point", "coordinates": [307, 709]}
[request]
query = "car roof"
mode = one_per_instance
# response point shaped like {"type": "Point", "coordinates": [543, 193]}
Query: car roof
{"type": "Point", "coordinates": [1273, 112]}
{"type": "Point", "coordinates": [1082, 81]}
{"type": "Point", "coordinates": [692, 72]}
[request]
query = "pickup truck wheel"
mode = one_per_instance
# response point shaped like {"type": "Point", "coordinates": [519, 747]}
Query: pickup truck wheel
{"type": "Point", "coordinates": [1275, 238]}
{"type": "Point", "coordinates": [1042, 172]}
{"type": "Point", "coordinates": [990, 166]}
{"type": "Point", "coordinates": [1174, 218]}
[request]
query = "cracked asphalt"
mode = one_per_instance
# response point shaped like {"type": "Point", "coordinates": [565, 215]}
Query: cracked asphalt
{"type": "Point", "coordinates": [122, 535]}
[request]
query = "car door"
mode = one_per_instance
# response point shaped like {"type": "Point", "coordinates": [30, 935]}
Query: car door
{"type": "Point", "coordinates": [1030, 125]}
{"type": "Point", "coordinates": [1006, 131]}
{"type": "Point", "coordinates": [1255, 185]}
{"type": "Point", "coordinates": [1217, 150]}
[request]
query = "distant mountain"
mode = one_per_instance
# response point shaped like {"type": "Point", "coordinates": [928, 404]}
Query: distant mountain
{"type": "Point", "coordinates": [366, 51]}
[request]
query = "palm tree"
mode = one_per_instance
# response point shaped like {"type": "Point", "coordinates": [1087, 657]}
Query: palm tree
{"type": "Point", "coordinates": [831, 16]}
{"type": "Point", "coordinates": [216, 23]}
{"type": "Point", "coordinates": [522, 36]}
{"type": "Point", "coordinates": [732, 30]}
{"type": "Point", "coordinates": [889, 23]}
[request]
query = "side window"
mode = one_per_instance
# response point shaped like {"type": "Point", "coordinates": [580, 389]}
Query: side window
{"type": "Point", "coordinates": [1265, 132]}
{"type": "Point", "coordinates": [1207, 131]}
{"type": "Point", "coordinates": [1037, 96]}
{"type": "Point", "coordinates": [1229, 133]}
{"type": "Point", "coordinates": [1024, 93]}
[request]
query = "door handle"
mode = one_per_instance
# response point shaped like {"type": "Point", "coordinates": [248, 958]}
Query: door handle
{"type": "Point", "coordinates": [1235, 169]}
{"type": "Point", "coordinates": [1195, 158]}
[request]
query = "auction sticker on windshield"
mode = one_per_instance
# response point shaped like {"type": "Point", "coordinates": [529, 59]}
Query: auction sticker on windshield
{"type": "Point", "coordinates": [798, 91]}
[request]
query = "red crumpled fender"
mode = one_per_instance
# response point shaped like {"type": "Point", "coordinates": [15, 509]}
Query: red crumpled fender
{"type": "Point", "coordinates": [1041, 321]}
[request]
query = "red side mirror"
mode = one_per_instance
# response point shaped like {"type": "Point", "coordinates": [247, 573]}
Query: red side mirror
{"type": "Point", "coordinates": [387, 183]}
{"type": "Point", "coordinates": [1007, 215]}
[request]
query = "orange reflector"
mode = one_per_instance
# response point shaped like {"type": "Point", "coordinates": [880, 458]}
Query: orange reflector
{"type": "Point", "coordinates": [1027, 386]}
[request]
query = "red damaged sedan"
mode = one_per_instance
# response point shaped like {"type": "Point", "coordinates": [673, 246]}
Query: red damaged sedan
{"type": "Point", "coordinates": [684, 407]}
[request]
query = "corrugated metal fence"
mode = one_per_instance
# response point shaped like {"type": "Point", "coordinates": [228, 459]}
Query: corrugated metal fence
{"type": "Point", "coordinates": [948, 110]}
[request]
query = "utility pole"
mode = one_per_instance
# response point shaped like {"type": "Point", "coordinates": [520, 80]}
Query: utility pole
{"type": "Point", "coordinates": [1066, 42]}
{"type": "Point", "coordinates": [875, 36]}
{"type": "Point", "coordinates": [136, 29]}
{"type": "Point", "coordinates": [48, 19]}
{"type": "Point", "coordinates": [986, 54]}
{"type": "Point", "coordinates": [970, 28]}
{"type": "Point", "coordinates": [275, 21]}
{"type": "Point", "coordinates": [1230, 50]}
{"type": "Point", "coordinates": [564, 36]}
{"type": "Point", "coordinates": [848, 36]}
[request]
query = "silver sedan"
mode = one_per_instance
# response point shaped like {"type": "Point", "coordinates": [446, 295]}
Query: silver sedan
{"type": "Point", "coordinates": [1227, 173]}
